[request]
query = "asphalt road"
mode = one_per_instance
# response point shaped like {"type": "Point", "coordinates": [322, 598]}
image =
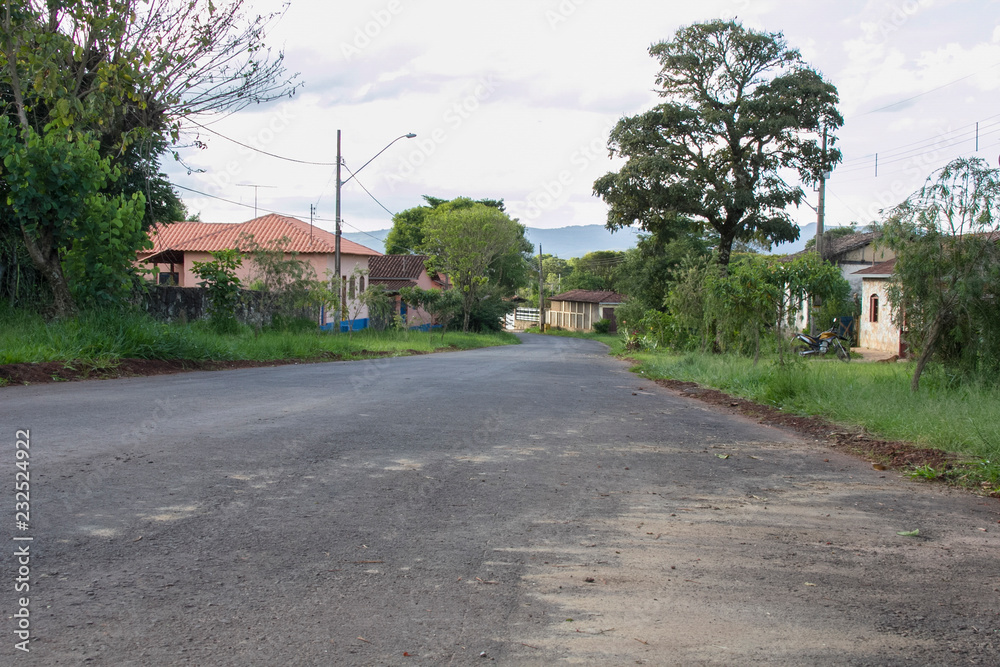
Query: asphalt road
{"type": "Point", "coordinates": [523, 505]}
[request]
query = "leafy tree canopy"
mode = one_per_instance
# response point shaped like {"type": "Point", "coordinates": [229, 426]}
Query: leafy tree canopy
{"type": "Point", "coordinates": [54, 186]}
{"type": "Point", "coordinates": [126, 74]}
{"type": "Point", "coordinates": [740, 106]}
{"type": "Point", "coordinates": [407, 234]}
{"type": "Point", "coordinates": [480, 248]}
{"type": "Point", "coordinates": [947, 272]}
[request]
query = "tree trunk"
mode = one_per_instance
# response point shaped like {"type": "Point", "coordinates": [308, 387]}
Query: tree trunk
{"type": "Point", "coordinates": [46, 259]}
{"type": "Point", "coordinates": [725, 251]}
{"type": "Point", "coordinates": [928, 349]}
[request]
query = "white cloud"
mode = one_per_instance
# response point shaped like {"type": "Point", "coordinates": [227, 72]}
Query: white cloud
{"type": "Point", "coordinates": [379, 68]}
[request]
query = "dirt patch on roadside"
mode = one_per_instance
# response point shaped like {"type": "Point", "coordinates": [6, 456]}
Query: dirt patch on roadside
{"type": "Point", "coordinates": [63, 371]}
{"type": "Point", "coordinates": [890, 453]}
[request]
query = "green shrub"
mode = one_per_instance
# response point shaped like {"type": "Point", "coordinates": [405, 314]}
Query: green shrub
{"type": "Point", "coordinates": [602, 326]}
{"type": "Point", "coordinates": [219, 278]}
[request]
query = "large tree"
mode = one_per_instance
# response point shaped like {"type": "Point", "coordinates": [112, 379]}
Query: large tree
{"type": "Point", "coordinates": [126, 73]}
{"type": "Point", "coordinates": [946, 278]}
{"type": "Point", "coordinates": [740, 106]}
{"type": "Point", "coordinates": [407, 234]}
{"type": "Point", "coordinates": [480, 248]}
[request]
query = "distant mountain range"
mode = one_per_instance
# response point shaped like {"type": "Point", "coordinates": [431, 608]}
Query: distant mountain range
{"type": "Point", "coordinates": [577, 241]}
{"type": "Point", "coordinates": [564, 242]}
{"type": "Point", "coordinates": [805, 233]}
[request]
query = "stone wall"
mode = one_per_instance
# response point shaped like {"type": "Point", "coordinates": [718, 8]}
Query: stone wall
{"type": "Point", "coordinates": [169, 303]}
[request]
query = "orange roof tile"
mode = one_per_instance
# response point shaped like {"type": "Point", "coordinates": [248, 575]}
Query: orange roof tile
{"type": "Point", "coordinates": [212, 236]}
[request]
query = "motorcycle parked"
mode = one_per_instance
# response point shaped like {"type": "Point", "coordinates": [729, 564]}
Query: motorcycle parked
{"type": "Point", "coordinates": [823, 343]}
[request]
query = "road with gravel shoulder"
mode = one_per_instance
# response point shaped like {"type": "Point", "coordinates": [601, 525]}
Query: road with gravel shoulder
{"type": "Point", "coordinates": [522, 505]}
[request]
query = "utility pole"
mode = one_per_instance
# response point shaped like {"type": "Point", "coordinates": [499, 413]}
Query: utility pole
{"type": "Point", "coordinates": [312, 212]}
{"type": "Point", "coordinates": [341, 286]}
{"type": "Point", "coordinates": [821, 208]}
{"type": "Point", "coordinates": [541, 291]}
{"type": "Point", "coordinates": [820, 219]}
{"type": "Point", "coordinates": [336, 255]}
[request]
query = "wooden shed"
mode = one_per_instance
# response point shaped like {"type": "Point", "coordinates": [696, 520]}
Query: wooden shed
{"type": "Point", "coordinates": [578, 309]}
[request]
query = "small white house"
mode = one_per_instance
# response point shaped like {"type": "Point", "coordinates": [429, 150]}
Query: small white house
{"type": "Point", "coordinates": [877, 331]}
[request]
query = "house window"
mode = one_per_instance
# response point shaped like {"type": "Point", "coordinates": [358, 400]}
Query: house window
{"type": "Point", "coordinates": [361, 284]}
{"type": "Point", "coordinates": [873, 308]}
{"type": "Point", "coordinates": [169, 278]}
{"type": "Point", "coordinates": [352, 285]}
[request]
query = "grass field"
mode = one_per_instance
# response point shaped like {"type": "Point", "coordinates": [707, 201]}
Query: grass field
{"type": "Point", "coordinates": [106, 336]}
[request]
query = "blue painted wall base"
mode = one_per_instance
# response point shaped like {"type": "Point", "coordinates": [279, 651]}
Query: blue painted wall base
{"type": "Point", "coordinates": [347, 325]}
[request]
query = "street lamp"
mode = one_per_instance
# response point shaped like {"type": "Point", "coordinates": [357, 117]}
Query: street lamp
{"type": "Point", "coordinates": [336, 261]}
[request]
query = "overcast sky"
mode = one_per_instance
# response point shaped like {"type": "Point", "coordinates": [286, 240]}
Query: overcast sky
{"type": "Point", "coordinates": [515, 99]}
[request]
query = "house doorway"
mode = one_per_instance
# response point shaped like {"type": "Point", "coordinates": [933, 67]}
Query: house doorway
{"type": "Point", "coordinates": [609, 315]}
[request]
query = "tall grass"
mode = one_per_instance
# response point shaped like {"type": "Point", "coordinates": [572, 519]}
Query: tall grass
{"type": "Point", "coordinates": [945, 414]}
{"type": "Point", "coordinates": [109, 335]}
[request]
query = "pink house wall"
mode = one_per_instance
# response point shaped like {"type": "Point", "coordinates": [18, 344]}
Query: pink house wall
{"type": "Point", "coordinates": [321, 263]}
{"type": "Point", "coordinates": [416, 317]}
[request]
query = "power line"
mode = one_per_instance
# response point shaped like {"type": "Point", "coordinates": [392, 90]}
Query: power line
{"type": "Point", "coordinates": [943, 149]}
{"type": "Point", "coordinates": [369, 194]}
{"type": "Point", "coordinates": [923, 147]}
{"type": "Point", "coordinates": [263, 152]}
{"type": "Point", "coordinates": [236, 203]}
{"type": "Point", "coordinates": [928, 92]}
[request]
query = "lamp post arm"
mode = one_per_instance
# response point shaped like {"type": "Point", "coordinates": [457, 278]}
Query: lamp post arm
{"type": "Point", "coordinates": [338, 278]}
{"type": "Point", "coordinates": [404, 136]}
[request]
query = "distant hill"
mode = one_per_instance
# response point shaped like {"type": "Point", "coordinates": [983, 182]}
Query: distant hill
{"type": "Point", "coordinates": [562, 242]}
{"type": "Point", "coordinates": [374, 240]}
{"type": "Point", "coordinates": [805, 233]}
{"type": "Point", "coordinates": [577, 241]}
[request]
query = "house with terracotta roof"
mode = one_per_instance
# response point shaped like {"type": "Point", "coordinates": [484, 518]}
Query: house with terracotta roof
{"type": "Point", "coordinates": [849, 253]}
{"type": "Point", "coordinates": [394, 272]}
{"type": "Point", "coordinates": [578, 309]}
{"type": "Point", "coordinates": [877, 330]}
{"type": "Point", "coordinates": [178, 245]}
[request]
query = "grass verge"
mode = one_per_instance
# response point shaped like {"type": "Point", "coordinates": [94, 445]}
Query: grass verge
{"type": "Point", "coordinates": [102, 337]}
{"type": "Point", "coordinates": [945, 414]}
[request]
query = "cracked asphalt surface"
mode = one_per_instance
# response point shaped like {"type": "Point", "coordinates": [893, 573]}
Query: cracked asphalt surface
{"type": "Point", "coordinates": [522, 505]}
